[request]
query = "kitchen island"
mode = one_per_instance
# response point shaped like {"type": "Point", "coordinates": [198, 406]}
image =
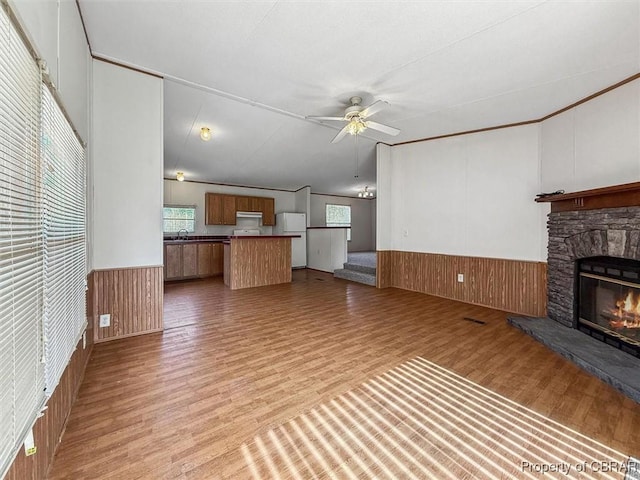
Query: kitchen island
{"type": "Point", "coordinates": [254, 261]}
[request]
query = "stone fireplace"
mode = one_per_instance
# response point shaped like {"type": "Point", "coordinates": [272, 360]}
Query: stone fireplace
{"type": "Point", "coordinates": [594, 253]}
{"type": "Point", "coordinates": [593, 284]}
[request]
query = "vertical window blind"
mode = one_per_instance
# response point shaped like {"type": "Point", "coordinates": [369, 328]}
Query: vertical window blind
{"type": "Point", "coordinates": [63, 176]}
{"type": "Point", "coordinates": [42, 241]}
{"type": "Point", "coordinates": [21, 243]}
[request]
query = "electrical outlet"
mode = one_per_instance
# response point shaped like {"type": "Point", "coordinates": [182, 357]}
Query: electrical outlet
{"type": "Point", "coordinates": [105, 320]}
{"type": "Point", "coordinates": [29, 444]}
{"type": "Point", "coordinates": [461, 277]}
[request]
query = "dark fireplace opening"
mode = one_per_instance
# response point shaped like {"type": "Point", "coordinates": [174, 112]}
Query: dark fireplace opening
{"type": "Point", "coordinates": [608, 301]}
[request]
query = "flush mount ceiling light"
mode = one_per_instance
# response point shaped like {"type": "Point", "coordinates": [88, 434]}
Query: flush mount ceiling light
{"type": "Point", "coordinates": [365, 193]}
{"type": "Point", "coordinates": [180, 176]}
{"type": "Point", "coordinates": [205, 134]}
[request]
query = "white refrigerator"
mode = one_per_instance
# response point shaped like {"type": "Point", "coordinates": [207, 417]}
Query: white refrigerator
{"type": "Point", "coordinates": [294, 224]}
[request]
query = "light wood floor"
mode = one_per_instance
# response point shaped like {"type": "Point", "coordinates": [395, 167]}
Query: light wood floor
{"type": "Point", "coordinates": [322, 378]}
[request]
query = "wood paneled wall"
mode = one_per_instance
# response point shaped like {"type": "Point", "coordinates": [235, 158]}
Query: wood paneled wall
{"type": "Point", "coordinates": [133, 297]}
{"type": "Point", "coordinates": [512, 285]}
{"type": "Point", "coordinates": [254, 262]}
{"type": "Point", "coordinates": [48, 429]}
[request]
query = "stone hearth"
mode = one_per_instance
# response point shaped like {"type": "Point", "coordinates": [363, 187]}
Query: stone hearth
{"type": "Point", "coordinates": [612, 366]}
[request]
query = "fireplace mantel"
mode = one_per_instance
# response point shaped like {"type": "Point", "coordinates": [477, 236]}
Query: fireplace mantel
{"type": "Point", "coordinates": [626, 195]}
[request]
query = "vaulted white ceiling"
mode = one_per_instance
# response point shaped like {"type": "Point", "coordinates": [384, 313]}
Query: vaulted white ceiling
{"type": "Point", "coordinates": [253, 70]}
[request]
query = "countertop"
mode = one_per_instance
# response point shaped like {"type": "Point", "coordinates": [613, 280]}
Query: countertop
{"type": "Point", "coordinates": [323, 227]}
{"type": "Point", "coordinates": [262, 236]}
{"type": "Point", "coordinates": [219, 238]}
{"type": "Point", "coordinates": [195, 239]}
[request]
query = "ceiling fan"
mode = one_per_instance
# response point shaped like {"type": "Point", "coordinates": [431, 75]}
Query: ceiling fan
{"type": "Point", "coordinates": [356, 117]}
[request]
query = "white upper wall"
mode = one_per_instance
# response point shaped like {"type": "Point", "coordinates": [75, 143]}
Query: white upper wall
{"type": "Point", "coordinates": [468, 195]}
{"type": "Point", "coordinates": [126, 168]}
{"type": "Point", "coordinates": [303, 203]}
{"type": "Point", "coordinates": [56, 32]}
{"type": "Point", "coordinates": [384, 195]}
{"type": "Point", "coordinates": [473, 194]}
{"type": "Point", "coordinates": [193, 193]}
{"type": "Point", "coordinates": [596, 144]}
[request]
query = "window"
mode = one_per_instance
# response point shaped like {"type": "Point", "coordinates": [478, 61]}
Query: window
{"type": "Point", "coordinates": [179, 217]}
{"type": "Point", "coordinates": [65, 266]}
{"type": "Point", "coordinates": [42, 242]}
{"type": "Point", "coordinates": [339, 216]}
{"type": "Point", "coordinates": [21, 244]}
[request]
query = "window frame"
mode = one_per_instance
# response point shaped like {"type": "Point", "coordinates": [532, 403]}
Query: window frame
{"type": "Point", "coordinates": [168, 232]}
{"type": "Point", "coordinates": [348, 226]}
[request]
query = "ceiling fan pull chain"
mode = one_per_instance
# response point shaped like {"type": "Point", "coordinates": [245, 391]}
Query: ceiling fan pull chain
{"type": "Point", "coordinates": [356, 143]}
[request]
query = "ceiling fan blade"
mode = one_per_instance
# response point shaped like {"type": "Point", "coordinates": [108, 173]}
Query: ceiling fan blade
{"type": "Point", "coordinates": [340, 134]}
{"type": "Point", "coordinates": [373, 108]}
{"type": "Point", "coordinates": [382, 128]}
{"type": "Point", "coordinates": [325, 118]}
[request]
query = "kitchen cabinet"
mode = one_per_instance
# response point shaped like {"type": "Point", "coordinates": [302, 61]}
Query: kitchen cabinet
{"type": "Point", "coordinates": [172, 262]}
{"type": "Point", "coordinates": [213, 209]}
{"type": "Point", "coordinates": [229, 210]}
{"type": "Point", "coordinates": [192, 260]}
{"type": "Point", "coordinates": [217, 258]}
{"type": "Point", "coordinates": [210, 259]}
{"type": "Point", "coordinates": [249, 204]}
{"type": "Point", "coordinates": [180, 261]}
{"type": "Point", "coordinates": [242, 204]}
{"type": "Point", "coordinates": [219, 209]}
{"type": "Point", "coordinates": [267, 207]}
{"type": "Point", "coordinates": [255, 204]}
{"type": "Point", "coordinates": [205, 265]}
{"type": "Point", "coordinates": [189, 260]}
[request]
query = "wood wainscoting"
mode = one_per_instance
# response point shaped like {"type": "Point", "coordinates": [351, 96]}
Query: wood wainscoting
{"type": "Point", "coordinates": [133, 296]}
{"type": "Point", "coordinates": [48, 429]}
{"type": "Point", "coordinates": [257, 261]}
{"type": "Point", "coordinates": [511, 285]}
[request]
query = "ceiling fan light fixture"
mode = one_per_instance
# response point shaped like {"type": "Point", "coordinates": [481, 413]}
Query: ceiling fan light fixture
{"type": "Point", "coordinates": [180, 176]}
{"type": "Point", "coordinates": [205, 134]}
{"type": "Point", "coordinates": [356, 126]}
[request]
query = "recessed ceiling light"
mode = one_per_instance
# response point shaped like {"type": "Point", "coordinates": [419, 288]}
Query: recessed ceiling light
{"type": "Point", "coordinates": [205, 134]}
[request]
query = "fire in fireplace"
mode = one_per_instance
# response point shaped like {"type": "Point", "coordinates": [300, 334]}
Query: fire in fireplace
{"type": "Point", "coordinates": [609, 301]}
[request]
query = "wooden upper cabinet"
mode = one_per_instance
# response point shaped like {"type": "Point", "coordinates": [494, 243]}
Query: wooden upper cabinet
{"type": "Point", "coordinates": [255, 204]}
{"type": "Point", "coordinates": [242, 204]}
{"type": "Point", "coordinates": [213, 209]}
{"type": "Point", "coordinates": [219, 209]}
{"type": "Point", "coordinates": [267, 207]}
{"type": "Point", "coordinates": [229, 209]}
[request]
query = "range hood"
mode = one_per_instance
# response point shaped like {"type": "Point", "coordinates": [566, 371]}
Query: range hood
{"type": "Point", "coordinates": [249, 215]}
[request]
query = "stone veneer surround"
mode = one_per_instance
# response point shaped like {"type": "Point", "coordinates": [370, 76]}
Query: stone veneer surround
{"type": "Point", "coordinates": [574, 235]}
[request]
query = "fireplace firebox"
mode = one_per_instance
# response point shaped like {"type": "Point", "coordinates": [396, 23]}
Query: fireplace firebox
{"type": "Point", "coordinates": [608, 301]}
